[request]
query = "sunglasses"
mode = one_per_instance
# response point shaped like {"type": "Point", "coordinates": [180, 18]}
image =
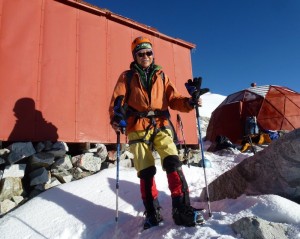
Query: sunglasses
{"type": "Point", "coordinates": [147, 53]}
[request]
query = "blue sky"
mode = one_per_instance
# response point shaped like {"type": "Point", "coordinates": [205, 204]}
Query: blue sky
{"type": "Point", "coordinates": [237, 41]}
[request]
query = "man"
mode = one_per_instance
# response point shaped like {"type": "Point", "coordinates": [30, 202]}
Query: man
{"type": "Point", "coordinates": [148, 93]}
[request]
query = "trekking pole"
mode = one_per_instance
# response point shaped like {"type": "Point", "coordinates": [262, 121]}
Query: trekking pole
{"type": "Point", "coordinates": [186, 151]}
{"type": "Point", "coordinates": [202, 155]}
{"type": "Point", "coordinates": [119, 116]}
{"type": "Point", "coordinates": [118, 167]}
{"type": "Point", "coordinates": [117, 177]}
{"type": "Point", "coordinates": [194, 89]}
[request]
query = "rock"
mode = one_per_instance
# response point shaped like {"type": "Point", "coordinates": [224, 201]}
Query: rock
{"type": "Point", "coordinates": [17, 199]}
{"type": "Point", "coordinates": [101, 152]}
{"type": "Point", "coordinates": [78, 173]}
{"type": "Point", "coordinates": [53, 182]}
{"type": "Point", "coordinates": [44, 166]}
{"type": "Point", "coordinates": [6, 206]}
{"type": "Point", "coordinates": [274, 170]}
{"type": "Point", "coordinates": [59, 149]}
{"type": "Point", "coordinates": [40, 147]}
{"type": "Point", "coordinates": [75, 160]}
{"type": "Point", "coordinates": [39, 176]}
{"type": "Point", "coordinates": [43, 187]}
{"type": "Point", "coordinates": [48, 145]}
{"type": "Point", "coordinates": [4, 152]}
{"type": "Point", "coordinates": [41, 159]}
{"type": "Point", "coordinates": [62, 175]}
{"type": "Point", "coordinates": [57, 152]}
{"type": "Point", "coordinates": [60, 145]}
{"type": "Point", "coordinates": [14, 171]}
{"type": "Point", "coordinates": [10, 187]}
{"type": "Point", "coordinates": [3, 155]}
{"type": "Point", "coordinates": [63, 163]}
{"type": "Point", "coordinates": [257, 228]}
{"type": "Point", "coordinates": [19, 151]}
{"type": "Point", "coordinates": [90, 163]}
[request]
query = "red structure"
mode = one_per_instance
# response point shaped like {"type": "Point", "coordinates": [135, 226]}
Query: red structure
{"type": "Point", "coordinates": [59, 61]}
{"type": "Point", "coordinates": [275, 107]}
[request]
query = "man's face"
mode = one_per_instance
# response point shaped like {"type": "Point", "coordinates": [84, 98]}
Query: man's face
{"type": "Point", "coordinates": [144, 57]}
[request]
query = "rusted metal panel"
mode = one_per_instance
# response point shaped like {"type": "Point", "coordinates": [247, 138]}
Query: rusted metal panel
{"type": "Point", "coordinates": [59, 62]}
{"type": "Point", "coordinates": [92, 95]}
{"type": "Point", "coordinates": [59, 78]}
{"type": "Point", "coordinates": [18, 65]}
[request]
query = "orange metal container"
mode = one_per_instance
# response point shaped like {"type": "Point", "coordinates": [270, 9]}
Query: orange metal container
{"type": "Point", "coordinates": [59, 62]}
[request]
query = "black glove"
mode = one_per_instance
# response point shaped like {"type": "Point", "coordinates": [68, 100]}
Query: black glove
{"type": "Point", "coordinates": [120, 113]}
{"type": "Point", "coordinates": [194, 88]}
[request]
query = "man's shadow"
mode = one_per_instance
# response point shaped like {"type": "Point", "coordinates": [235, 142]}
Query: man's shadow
{"type": "Point", "coordinates": [30, 123]}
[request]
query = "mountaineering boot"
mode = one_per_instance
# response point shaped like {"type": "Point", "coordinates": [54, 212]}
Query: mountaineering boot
{"type": "Point", "coordinates": [149, 196]}
{"type": "Point", "coordinates": [152, 213]}
{"type": "Point", "coordinates": [187, 216]}
{"type": "Point", "coordinates": [184, 214]}
{"type": "Point", "coordinates": [152, 219]}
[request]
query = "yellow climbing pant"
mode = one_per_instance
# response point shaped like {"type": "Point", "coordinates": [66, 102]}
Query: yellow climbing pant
{"type": "Point", "coordinates": [163, 143]}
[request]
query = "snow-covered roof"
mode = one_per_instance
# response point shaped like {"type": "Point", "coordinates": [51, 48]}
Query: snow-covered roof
{"type": "Point", "coordinates": [260, 90]}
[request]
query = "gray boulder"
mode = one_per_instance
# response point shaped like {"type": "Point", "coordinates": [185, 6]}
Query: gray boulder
{"type": "Point", "coordinates": [19, 151]}
{"type": "Point", "coordinates": [100, 151]}
{"type": "Point", "coordinates": [41, 159]}
{"type": "Point", "coordinates": [63, 163]}
{"type": "Point", "coordinates": [39, 176]}
{"type": "Point", "coordinates": [62, 175]}
{"type": "Point", "coordinates": [274, 170]}
{"type": "Point", "coordinates": [89, 162]}
{"type": "Point", "coordinates": [257, 228]}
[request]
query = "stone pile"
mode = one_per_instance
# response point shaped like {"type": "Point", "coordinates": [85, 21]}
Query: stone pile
{"type": "Point", "coordinates": [27, 169]}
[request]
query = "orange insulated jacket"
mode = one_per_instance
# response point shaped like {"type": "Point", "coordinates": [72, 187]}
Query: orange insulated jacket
{"type": "Point", "coordinates": [162, 94]}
